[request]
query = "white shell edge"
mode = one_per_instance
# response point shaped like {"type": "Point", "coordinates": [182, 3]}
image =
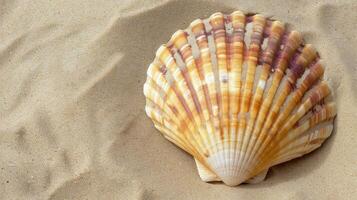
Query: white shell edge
{"type": "Point", "coordinates": [205, 174]}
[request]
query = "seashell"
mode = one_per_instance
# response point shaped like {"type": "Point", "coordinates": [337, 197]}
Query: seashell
{"type": "Point", "coordinates": [240, 93]}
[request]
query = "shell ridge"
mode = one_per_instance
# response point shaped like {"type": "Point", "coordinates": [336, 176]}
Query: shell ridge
{"type": "Point", "coordinates": [316, 71]}
{"type": "Point", "coordinates": [320, 92]}
{"type": "Point", "coordinates": [259, 24]}
{"type": "Point", "coordinates": [287, 88]}
{"type": "Point", "coordinates": [165, 57]}
{"type": "Point", "coordinates": [189, 72]}
{"type": "Point", "coordinates": [312, 139]}
{"type": "Point", "coordinates": [214, 69]}
{"type": "Point", "coordinates": [274, 40]}
{"type": "Point", "coordinates": [219, 39]}
{"type": "Point", "coordinates": [292, 43]}
{"type": "Point", "coordinates": [228, 43]}
{"type": "Point", "coordinates": [301, 132]}
{"type": "Point", "coordinates": [238, 21]}
{"type": "Point", "coordinates": [304, 143]}
{"type": "Point", "coordinates": [161, 86]}
{"type": "Point", "coordinates": [325, 113]}
{"type": "Point", "coordinates": [155, 91]}
{"type": "Point", "coordinates": [230, 84]}
{"type": "Point", "coordinates": [208, 114]}
{"type": "Point", "coordinates": [199, 30]}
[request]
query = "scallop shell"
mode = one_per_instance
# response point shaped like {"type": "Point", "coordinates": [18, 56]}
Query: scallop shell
{"type": "Point", "coordinates": [240, 93]}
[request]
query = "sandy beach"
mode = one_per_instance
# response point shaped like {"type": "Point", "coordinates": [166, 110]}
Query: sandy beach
{"type": "Point", "coordinates": [72, 119]}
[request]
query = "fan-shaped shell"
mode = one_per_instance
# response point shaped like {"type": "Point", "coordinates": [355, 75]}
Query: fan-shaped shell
{"type": "Point", "coordinates": [240, 93]}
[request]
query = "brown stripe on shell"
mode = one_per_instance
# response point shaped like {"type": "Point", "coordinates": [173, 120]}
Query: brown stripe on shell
{"type": "Point", "coordinates": [303, 60]}
{"type": "Point", "coordinates": [315, 73]}
{"type": "Point", "coordinates": [154, 72]}
{"type": "Point", "coordinates": [235, 51]}
{"type": "Point", "coordinates": [292, 43]}
{"type": "Point", "coordinates": [206, 72]}
{"type": "Point", "coordinates": [253, 53]}
{"type": "Point", "coordinates": [199, 32]}
{"type": "Point", "coordinates": [218, 31]}
{"type": "Point", "coordinates": [178, 40]}
{"type": "Point", "coordinates": [276, 32]}
{"type": "Point", "coordinates": [191, 73]}
{"type": "Point", "coordinates": [192, 123]}
{"type": "Point", "coordinates": [277, 144]}
{"type": "Point", "coordinates": [319, 92]}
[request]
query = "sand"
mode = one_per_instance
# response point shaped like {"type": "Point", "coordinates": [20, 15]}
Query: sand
{"type": "Point", "coordinates": [72, 121]}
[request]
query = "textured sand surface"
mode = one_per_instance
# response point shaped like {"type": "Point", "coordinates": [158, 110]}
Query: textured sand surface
{"type": "Point", "coordinates": [72, 120]}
